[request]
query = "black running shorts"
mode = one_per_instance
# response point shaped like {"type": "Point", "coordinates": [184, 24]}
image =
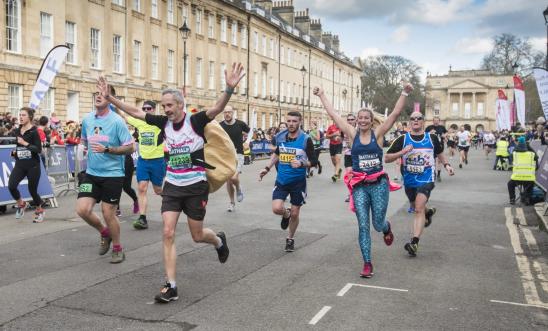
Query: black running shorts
{"type": "Point", "coordinates": [425, 189]}
{"type": "Point", "coordinates": [348, 161]}
{"type": "Point", "coordinates": [335, 149]}
{"type": "Point", "coordinates": [191, 199]}
{"type": "Point", "coordinates": [105, 189]}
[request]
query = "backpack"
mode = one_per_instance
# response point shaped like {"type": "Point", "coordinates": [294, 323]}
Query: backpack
{"type": "Point", "coordinates": [220, 153]}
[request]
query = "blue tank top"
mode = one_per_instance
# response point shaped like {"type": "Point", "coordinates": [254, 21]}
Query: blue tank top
{"type": "Point", "coordinates": [366, 158]}
{"type": "Point", "coordinates": [419, 165]}
{"type": "Point", "coordinates": [290, 150]}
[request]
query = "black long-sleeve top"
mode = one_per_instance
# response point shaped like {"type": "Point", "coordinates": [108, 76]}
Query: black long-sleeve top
{"type": "Point", "coordinates": [29, 154]}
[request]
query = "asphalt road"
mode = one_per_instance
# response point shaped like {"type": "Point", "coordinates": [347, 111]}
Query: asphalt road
{"type": "Point", "coordinates": [481, 265]}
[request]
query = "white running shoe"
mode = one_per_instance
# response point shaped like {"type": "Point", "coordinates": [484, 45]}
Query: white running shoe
{"type": "Point", "coordinates": [240, 195]}
{"type": "Point", "coordinates": [231, 207]}
{"type": "Point", "coordinates": [20, 210]}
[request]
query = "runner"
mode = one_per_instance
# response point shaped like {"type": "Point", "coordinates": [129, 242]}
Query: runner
{"type": "Point", "coordinates": [452, 140]}
{"type": "Point", "coordinates": [27, 164]}
{"type": "Point", "coordinates": [367, 180]}
{"type": "Point", "coordinates": [295, 152]}
{"type": "Point", "coordinates": [489, 143]}
{"type": "Point", "coordinates": [347, 148]}
{"type": "Point", "coordinates": [464, 137]}
{"type": "Point", "coordinates": [186, 188]}
{"type": "Point", "coordinates": [316, 139]}
{"type": "Point", "coordinates": [129, 169]}
{"type": "Point", "coordinates": [151, 165]}
{"type": "Point", "coordinates": [440, 131]}
{"type": "Point", "coordinates": [418, 150]}
{"type": "Point", "coordinates": [107, 138]}
{"type": "Point", "coordinates": [335, 149]}
{"type": "Point", "coordinates": [235, 130]}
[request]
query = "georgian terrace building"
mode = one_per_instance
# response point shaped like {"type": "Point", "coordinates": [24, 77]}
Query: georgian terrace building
{"type": "Point", "coordinates": [137, 45]}
{"type": "Point", "coordinates": [466, 97]}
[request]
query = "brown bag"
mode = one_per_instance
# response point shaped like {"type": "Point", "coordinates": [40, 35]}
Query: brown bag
{"type": "Point", "coordinates": [220, 153]}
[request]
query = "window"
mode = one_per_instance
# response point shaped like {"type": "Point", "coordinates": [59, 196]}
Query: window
{"type": "Point", "coordinates": [282, 90]}
{"type": "Point", "coordinates": [271, 48]}
{"type": "Point", "coordinates": [272, 92]}
{"type": "Point", "coordinates": [234, 32]}
{"type": "Point", "coordinates": [480, 109]}
{"type": "Point", "coordinates": [118, 2]}
{"type": "Point", "coordinates": [244, 85]}
{"type": "Point", "coordinates": [198, 21]}
{"type": "Point", "coordinates": [289, 90]}
{"type": "Point", "coordinates": [263, 83]}
{"type": "Point", "coordinates": [15, 98]}
{"type": "Point", "coordinates": [244, 37]}
{"type": "Point", "coordinates": [467, 110]}
{"type": "Point", "coordinates": [137, 5]}
{"type": "Point", "coordinates": [222, 76]}
{"type": "Point", "coordinates": [255, 41]}
{"type": "Point", "coordinates": [455, 108]}
{"type": "Point", "coordinates": [70, 40]}
{"type": "Point", "coordinates": [170, 12]}
{"type": "Point", "coordinates": [184, 13]}
{"type": "Point", "coordinates": [95, 46]}
{"type": "Point", "coordinates": [264, 45]}
{"type": "Point", "coordinates": [136, 58]}
{"type": "Point", "coordinates": [117, 54]}
{"type": "Point", "coordinates": [288, 56]}
{"type": "Point", "coordinates": [13, 25]}
{"type": "Point", "coordinates": [211, 75]}
{"type": "Point", "coordinates": [198, 72]}
{"type": "Point", "coordinates": [211, 26]}
{"type": "Point", "coordinates": [154, 62]}
{"type": "Point", "coordinates": [255, 84]}
{"type": "Point", "coordinates": [46, 39]}
{"type": "Point", "coordinates": [223, 29]}
{"type": "Point", "coordinates": [47, 104]}
{"type": "Point", "coordinates": [282, 55]}
{"type": "Point", "coordinates": [170, 66]}
{"type": "Point", "coordinates": [154, 8]}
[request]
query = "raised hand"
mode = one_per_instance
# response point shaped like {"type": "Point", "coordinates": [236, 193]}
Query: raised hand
{"type": "Point", "coordinates": [408, 87]}
{"type": "Point", "coordinates": [235, 75]}
{"type": "Point", "coordinates": [317, 91]}
{"type": "Point", "coordinates": [102, 87]}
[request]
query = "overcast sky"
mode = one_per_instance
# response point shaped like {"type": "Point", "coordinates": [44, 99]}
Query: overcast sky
{"type": "Point", "coordinates": [432, 33]}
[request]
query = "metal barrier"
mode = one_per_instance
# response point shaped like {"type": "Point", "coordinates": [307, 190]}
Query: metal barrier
{"type": "Point", "coordinates": [541, 176]}
{"type": "Point", "coordinates": [63, 162]}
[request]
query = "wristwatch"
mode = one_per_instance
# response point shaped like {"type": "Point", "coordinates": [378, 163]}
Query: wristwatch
{"type": "Point", "coordinates": [107, 149]}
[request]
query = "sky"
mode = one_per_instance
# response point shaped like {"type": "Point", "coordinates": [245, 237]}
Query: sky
{"type": "Point", "coordinates": [432, 33]}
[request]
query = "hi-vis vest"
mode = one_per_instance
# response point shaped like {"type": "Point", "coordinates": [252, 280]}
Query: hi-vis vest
{"type": "Point", "coordinates": [502, 148]}
{"type": "Point", "coordinates": [524, 166]}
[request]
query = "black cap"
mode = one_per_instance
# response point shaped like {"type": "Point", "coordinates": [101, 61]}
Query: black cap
{"type": "Point", "coordinates": [150, 103]}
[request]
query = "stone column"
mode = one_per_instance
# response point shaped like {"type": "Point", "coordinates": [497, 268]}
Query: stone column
{"type": "Point", "coordinates": [461, 107]}
{"type": "Point", "coordinates": [474, 107]}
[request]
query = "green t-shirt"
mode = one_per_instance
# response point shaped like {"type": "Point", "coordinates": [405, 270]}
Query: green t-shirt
{"type": "Point", "coordinates": [148, 139]}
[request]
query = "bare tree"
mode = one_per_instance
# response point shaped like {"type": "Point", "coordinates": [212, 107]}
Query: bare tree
{"type": "Point", "coordinates": [510, 51]}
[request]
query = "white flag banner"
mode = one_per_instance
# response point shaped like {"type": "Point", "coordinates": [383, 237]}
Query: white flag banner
{"type": "Point", "coordinates": [251, 127]}
{"type": "Point", "coordinates": [541, 77]}
{"type": "Point", "coordinates": [519, 96]}
{"type": "Point", "coordinates": [50, 67]}
{"type": "Point", "coordinates": [502, 108]}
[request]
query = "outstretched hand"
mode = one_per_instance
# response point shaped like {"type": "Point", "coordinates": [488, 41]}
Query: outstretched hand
{"type": "Point", "coordinates": [408, 87]}
{"type": "Point", "coordinates": [317, 91]}
{"type": "Point", "coordinates": [235, 75]}
{"type": "Point", "coordinates": [102, 87]}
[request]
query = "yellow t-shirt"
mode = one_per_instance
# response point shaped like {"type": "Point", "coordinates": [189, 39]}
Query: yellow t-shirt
{"type": "Point", "coordinates": [148, 139]}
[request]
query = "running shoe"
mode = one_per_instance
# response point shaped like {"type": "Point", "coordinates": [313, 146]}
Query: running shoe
{"type": "Point", "coordinates": [319, 169]}
{"type": "Point", "coordinates": [460, 165]}
{"type": "Point", "coordinates": [367, 271]}
{"type": "Point", "coordinates": [438, 178]}
{"type": "Point", "coordinates": [396, 178]}
{"type": "Point", "coordinates": [285, 220]}
{"type": "Point", "coordinates": [39, 215]}
{"type": "Point", "coordinates": [289, 245]}
{"type": "Point", "coordinates": [240, 195]}
{"type": "Point", "coordinates": [312, 173]}
{"type": "Point", "coordinates": [465, 161]}
{"type": "Point", "coordinates": [347, 198]}
{"type": "Point", "coordinates": [339, 174]}
{"type": "Point", "coordinates": [118, 212]}
{"type": "Point", "coordinates": [117, 257]}
{"type": "Point", "coordinates": [410, 210]}
{"type": "Point", "coordinates": [104, 246]}
{"type": "Point", "coordinates": [334, 178]}
{"type": "Point", "coordinates": [140, 224]}
{"type": "Point", "coordinates": [222, 251]}
{"type": "Point", "coordinates": [167, 294]}
{"type": "Point", "coordinates": [429, 213]}
{"type": "Point", "coordinates": [135, 207]}
{"type": "Point", "coordinates": [20, 210]}
{"type": "Point", "coordinates": [388, 236]}
{"type": "Point", "coordinates": [231, 207]}
{"type": "Point", "coordinates": [412, 249]}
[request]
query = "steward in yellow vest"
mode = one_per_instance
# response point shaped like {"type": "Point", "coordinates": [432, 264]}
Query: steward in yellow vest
{"type": "Point", "coordinates": [501, 152]}
{"type": "Point", "coordinates": [523, 172]}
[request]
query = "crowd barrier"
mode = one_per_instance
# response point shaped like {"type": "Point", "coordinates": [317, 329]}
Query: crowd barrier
{"type": "Point", "coordinates": [541, 176]}
{"type": "Point", "coordinates": [260, 147]}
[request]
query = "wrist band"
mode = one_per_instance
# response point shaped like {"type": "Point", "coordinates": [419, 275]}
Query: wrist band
{"type": "Point", "coordinates": [229, 90]}
{"type": "Point", "coordinates": [405, 93]}
{"type": "Point", "coordinates": [267, 168]}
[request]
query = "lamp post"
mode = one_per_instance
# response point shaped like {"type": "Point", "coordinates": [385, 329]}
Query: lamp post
{"type": "Point", "coordinates": [185, 32]}
{"type": "Point", "coordinates": [303, 71]}
{"type": "Point", "coordinates": [545, 13]}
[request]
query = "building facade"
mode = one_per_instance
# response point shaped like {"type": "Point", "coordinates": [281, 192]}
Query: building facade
{"type": "Point", "coordinates": [466, 97]}
{"type": "Point", "coordinates": [137, 45]}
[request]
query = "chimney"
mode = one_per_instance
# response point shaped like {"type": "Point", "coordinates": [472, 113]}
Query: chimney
{"type": "Point", "coordinates": [285, 10]}
{"type": "Point", "coordinates": [336, 43]}
{"type": "Point", "coordinates": [302, 21]}
{"type": "Point", "coordinates": [316, 29]}
{"type": "Point", "coordinates": [327, 39]}
{"type": "Point", "coordinates": [264, 4]}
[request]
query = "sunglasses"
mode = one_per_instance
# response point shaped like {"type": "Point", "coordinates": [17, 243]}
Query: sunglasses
{"type": "Point", "coordinates": [415, 118]}
{"type": "Point", "coordinates": [350, 119]}
{"type": "Point", "coordinates": [146, 108]}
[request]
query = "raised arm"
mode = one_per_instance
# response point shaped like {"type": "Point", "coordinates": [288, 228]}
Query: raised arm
{"type": "Point", "coordinates": [103, 89]}
{"type": "Point", "coordinates": [341, 123]}
{"type": "Point", "coordinates": [398, 108]}
{"type": "Point", "coordinates": [232, 80]}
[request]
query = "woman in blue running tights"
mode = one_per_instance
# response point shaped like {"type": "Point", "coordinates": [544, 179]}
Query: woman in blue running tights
{"type": "Point", "coordinates": [368, 183]}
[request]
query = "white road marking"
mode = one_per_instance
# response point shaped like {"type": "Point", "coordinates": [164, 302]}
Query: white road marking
{"type": "Point", "coordinates": [539, 266]}
{"type": "Point", "coordinates": [348, 286]}
{"type": "Point", "coordinates": [531, 242]}
{"type": "Point", "coordinates": [520, 216]}
{"type": "Point", "coordinates": [527, 280]}
{"type": "Point", "coordinates": [539, 305]}
{"type": "Point", "coordinates": [319, 315]}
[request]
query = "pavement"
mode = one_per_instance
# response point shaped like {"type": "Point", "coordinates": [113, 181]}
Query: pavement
{"type": "Point", "coordinates": [481, 265]}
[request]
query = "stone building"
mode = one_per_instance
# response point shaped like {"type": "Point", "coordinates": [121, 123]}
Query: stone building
{"type": "Point", "coordinates": [137, 45]}
{"type": "Point", "coordinates": [466, 97]}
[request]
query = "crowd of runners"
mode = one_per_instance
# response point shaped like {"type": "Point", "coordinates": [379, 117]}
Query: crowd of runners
{"type": "Point", "coordinates": [172, 159]}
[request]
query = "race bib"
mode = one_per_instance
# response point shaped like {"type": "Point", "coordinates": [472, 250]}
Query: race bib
{"type": "Point", "coordinates": [287, 154]}
{"type": "Point", "coordinates": [417, 162]}
{"type": "Point", "coordinates": [23, 153]}
{"type": "Point", "coordinates": [415, 169]}
{"type": "Point", "coordinates": [179, 158]}
{"type": "Point", "coordinates": [147, 139]}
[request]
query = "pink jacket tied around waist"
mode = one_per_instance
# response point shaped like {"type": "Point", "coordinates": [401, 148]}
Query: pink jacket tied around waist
{"type": "Point", "coordinates": [353, 178]}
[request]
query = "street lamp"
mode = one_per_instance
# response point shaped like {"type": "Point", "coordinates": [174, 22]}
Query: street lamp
{"type": "Point", "coordinates": [545, 13]}
{"type": "Point", "coordinates": [185, 32]}
{"type": "Point", "coordinates": [303, 71]}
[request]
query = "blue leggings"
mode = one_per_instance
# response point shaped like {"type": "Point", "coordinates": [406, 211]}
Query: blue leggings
{"type": "Point", "coordinates": [374, 198]}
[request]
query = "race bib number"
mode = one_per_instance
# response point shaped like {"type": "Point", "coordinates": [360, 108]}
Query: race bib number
{"type": "Point", "coordinates": [287, 158]}
{"type": "Point", "coordinates": [179, 158]}
{"type": "Point", "coordinates": [287, 154]}
{"type": "Point", "coordinates": [417, 162]}
{"type": "Point", "coordinates": [147, 139]}
{"type": "Point", "coordinates": [415, 169]}
{"type": "Point", "coordinates": [86, 188]}
{"type": "Point", "coordinates": [23, 153]}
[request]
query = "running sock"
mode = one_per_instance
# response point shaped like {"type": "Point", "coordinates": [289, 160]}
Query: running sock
{"type": "Point", "coordinates": [116, 248]}
{"type": "Point", "coordinates": [172, 284]}
{"type": "Point", "coordinates": [219, 243]}
{"type": "Point", "coordinates": [415, 240]}
{"type": "Point", "coordinates": [105, 232]}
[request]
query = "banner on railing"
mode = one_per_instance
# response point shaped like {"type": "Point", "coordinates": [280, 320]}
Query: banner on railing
{"type": "Point", "coordinates": [7, 162]}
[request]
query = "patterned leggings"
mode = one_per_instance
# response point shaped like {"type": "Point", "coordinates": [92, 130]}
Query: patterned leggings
{"type": "Point", "coordinates": [374, 198]}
